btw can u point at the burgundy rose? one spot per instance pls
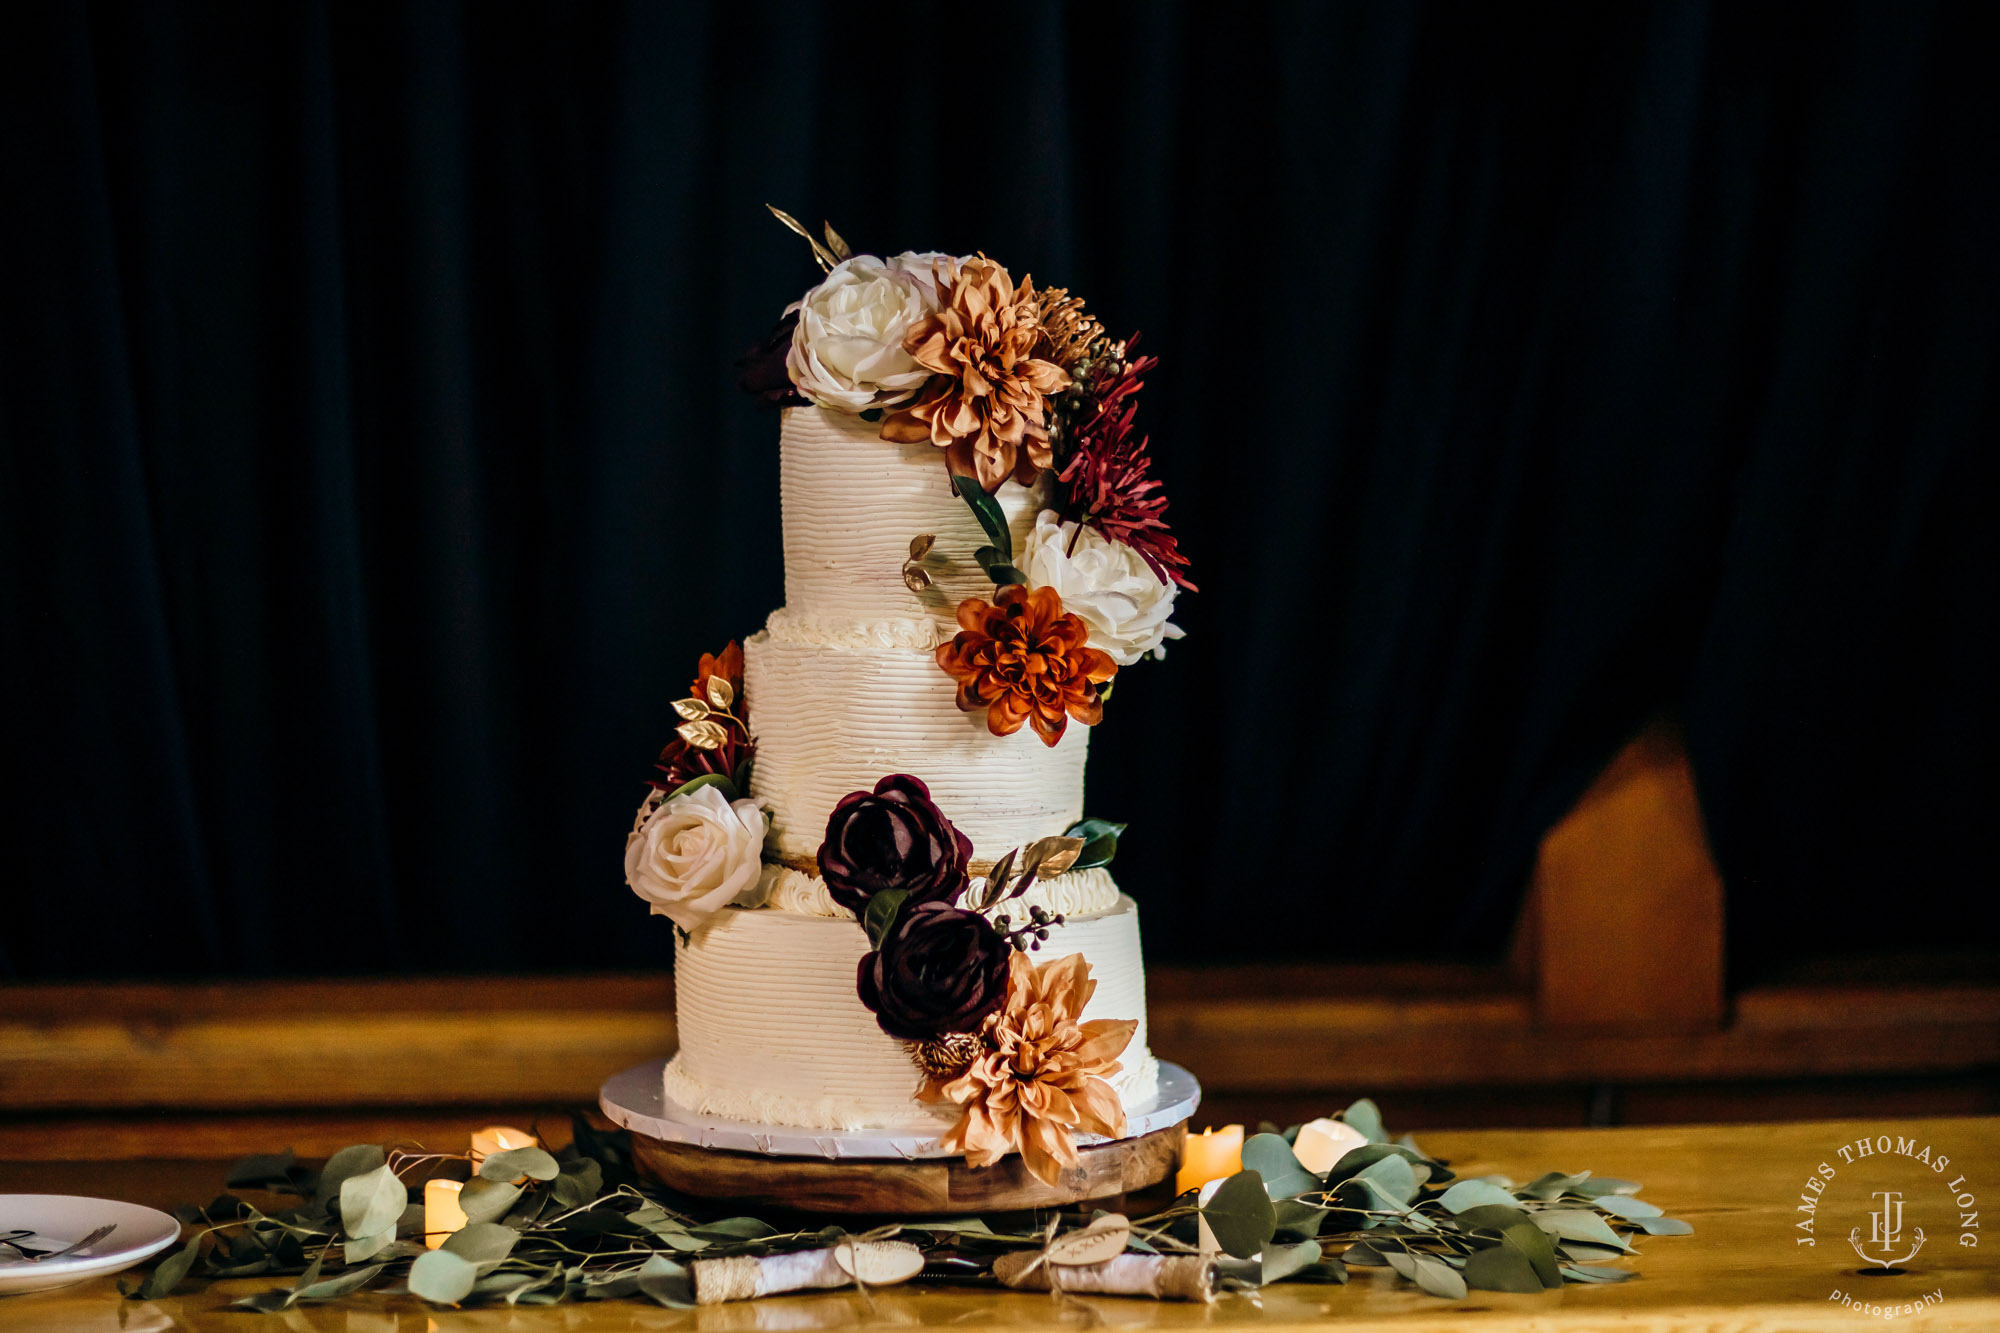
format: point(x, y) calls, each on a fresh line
point(764, 375)
point(892, 838)
point(942, 969)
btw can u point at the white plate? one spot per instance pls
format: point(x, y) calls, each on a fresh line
point(63, 1219)
point(637, 1100)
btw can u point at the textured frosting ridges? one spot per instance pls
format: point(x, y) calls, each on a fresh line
point(853, 501)
point(1079, 893)
point(773, 1032)
point(831, 721)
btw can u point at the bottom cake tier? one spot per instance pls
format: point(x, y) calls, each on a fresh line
point(772, 1031)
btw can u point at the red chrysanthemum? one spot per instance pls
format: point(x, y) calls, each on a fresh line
point(1106, 480)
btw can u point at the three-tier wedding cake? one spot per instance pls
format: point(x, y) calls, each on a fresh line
point(891, 910)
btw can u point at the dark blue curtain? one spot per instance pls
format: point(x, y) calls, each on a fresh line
point(373, 471)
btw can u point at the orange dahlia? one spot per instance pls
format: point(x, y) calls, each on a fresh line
point(1040, 1076)
point(1022, 658)
point(985, 402)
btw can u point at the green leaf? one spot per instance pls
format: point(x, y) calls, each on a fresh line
point(1584, 1252)
point(1596, 1186)
point(721, 780)
point(1100, 841)
point(581, 1181)
point(171, 1270)
point(1578, 1224)
point(991, 517)
point(1536, 1247)
point(734, 1228)
point(487, 1200)
point(1272, 1158)
point(264, 1302)
point(363, 1248)
point(1501, 1268)
point(372, 1203)
point(482, 1242)
point(1327, 1272)
point(1663, 1226)
point(1620, 1205)
point(534, 1163)
point(1363, 1117)
point(333, 1288)
point(1552, 1186)
point(1355, 1160)
point(1281, 1261)
point(1239, 1215)
point(1302, 1220)
point(1394, 1177)
point(1473, 1194)
point(667, 1282)
point(358, 1160)
point(442, 1278)
point(1492, 1216)
point(1433, 1275)
point(1577, 1273)
point(878, 918)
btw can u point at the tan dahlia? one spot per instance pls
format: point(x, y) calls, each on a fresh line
point(985, 402)
point(1039, 1079)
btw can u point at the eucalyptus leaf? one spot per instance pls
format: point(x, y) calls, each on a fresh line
point(1578, 1224)
point(1394, 1177)
point(721, 781)
point(264, 1302)
point(1364, 1254)
point(333, 1288)
point(1592, 1187)
point(1501, 1268)
point(1535, 1245)
point(358, 1160)
point(170, 1271)
point(1473, 1194)
point(1272, 1158)
point(1578, 1273)
point(1239, 1215)
point(1364, 1118)
point(1551, 1186)
point(991, 517)
point(482, 1242)
point(532, 1162)
point(581, 1181)
point(1493, 1216)
point(487, 1200)
point(1584, 1252)
point(1327, 1272)
point(1100, 841)
point(1299, 1218)
point(1621, 1205)
point(1432, 1275)
point(363, 1248)
point(735, 1228)
point(1281, 1261)
point(442, 1278)
point(372, 1203)
point(1663, 1226)
point(878, 918)
point(667, 1282)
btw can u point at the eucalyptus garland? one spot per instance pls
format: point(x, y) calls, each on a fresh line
point(577, 1224)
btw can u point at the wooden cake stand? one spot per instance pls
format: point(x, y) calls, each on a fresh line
point(879, 1173)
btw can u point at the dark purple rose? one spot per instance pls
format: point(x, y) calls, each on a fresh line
point(942, 969)
point(892, 838)
point(764, 375)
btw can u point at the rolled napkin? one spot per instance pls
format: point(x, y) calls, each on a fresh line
point(1163, 1277)
point(877, 1263)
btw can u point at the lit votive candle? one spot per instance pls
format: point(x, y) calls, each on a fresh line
point(1210, 1155)
point(498, 1138)
point(1321, 1143)
point(442, 1214)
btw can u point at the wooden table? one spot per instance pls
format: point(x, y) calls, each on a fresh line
point(1741, 1271)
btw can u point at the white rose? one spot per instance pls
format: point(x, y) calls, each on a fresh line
point(695, 854)
point(1106, 584)
point(847, 352)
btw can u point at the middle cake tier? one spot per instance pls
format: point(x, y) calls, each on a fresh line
point(835, 713)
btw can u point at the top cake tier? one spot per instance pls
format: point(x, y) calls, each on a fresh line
point(853, 501)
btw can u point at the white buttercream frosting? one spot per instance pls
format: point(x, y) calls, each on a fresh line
point(1079, 893)
point(791, 626)
point(773, 1032)
point(852, 502)
point(832, 721)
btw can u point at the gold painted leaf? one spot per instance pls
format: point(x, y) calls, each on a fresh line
point(835, 242)
point(1051, 856)
point(920, 545)
point(916, 580)
point(694, 710)
point(821, 254)
point(721, 693)
point(703, 735)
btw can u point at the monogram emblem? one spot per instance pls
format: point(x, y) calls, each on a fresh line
point(1885, 1232)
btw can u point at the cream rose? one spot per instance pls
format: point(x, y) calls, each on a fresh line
point(695, 853)
point(1106, 584)
point(847, 351)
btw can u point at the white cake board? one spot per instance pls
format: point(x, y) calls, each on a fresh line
point(636, 1099)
